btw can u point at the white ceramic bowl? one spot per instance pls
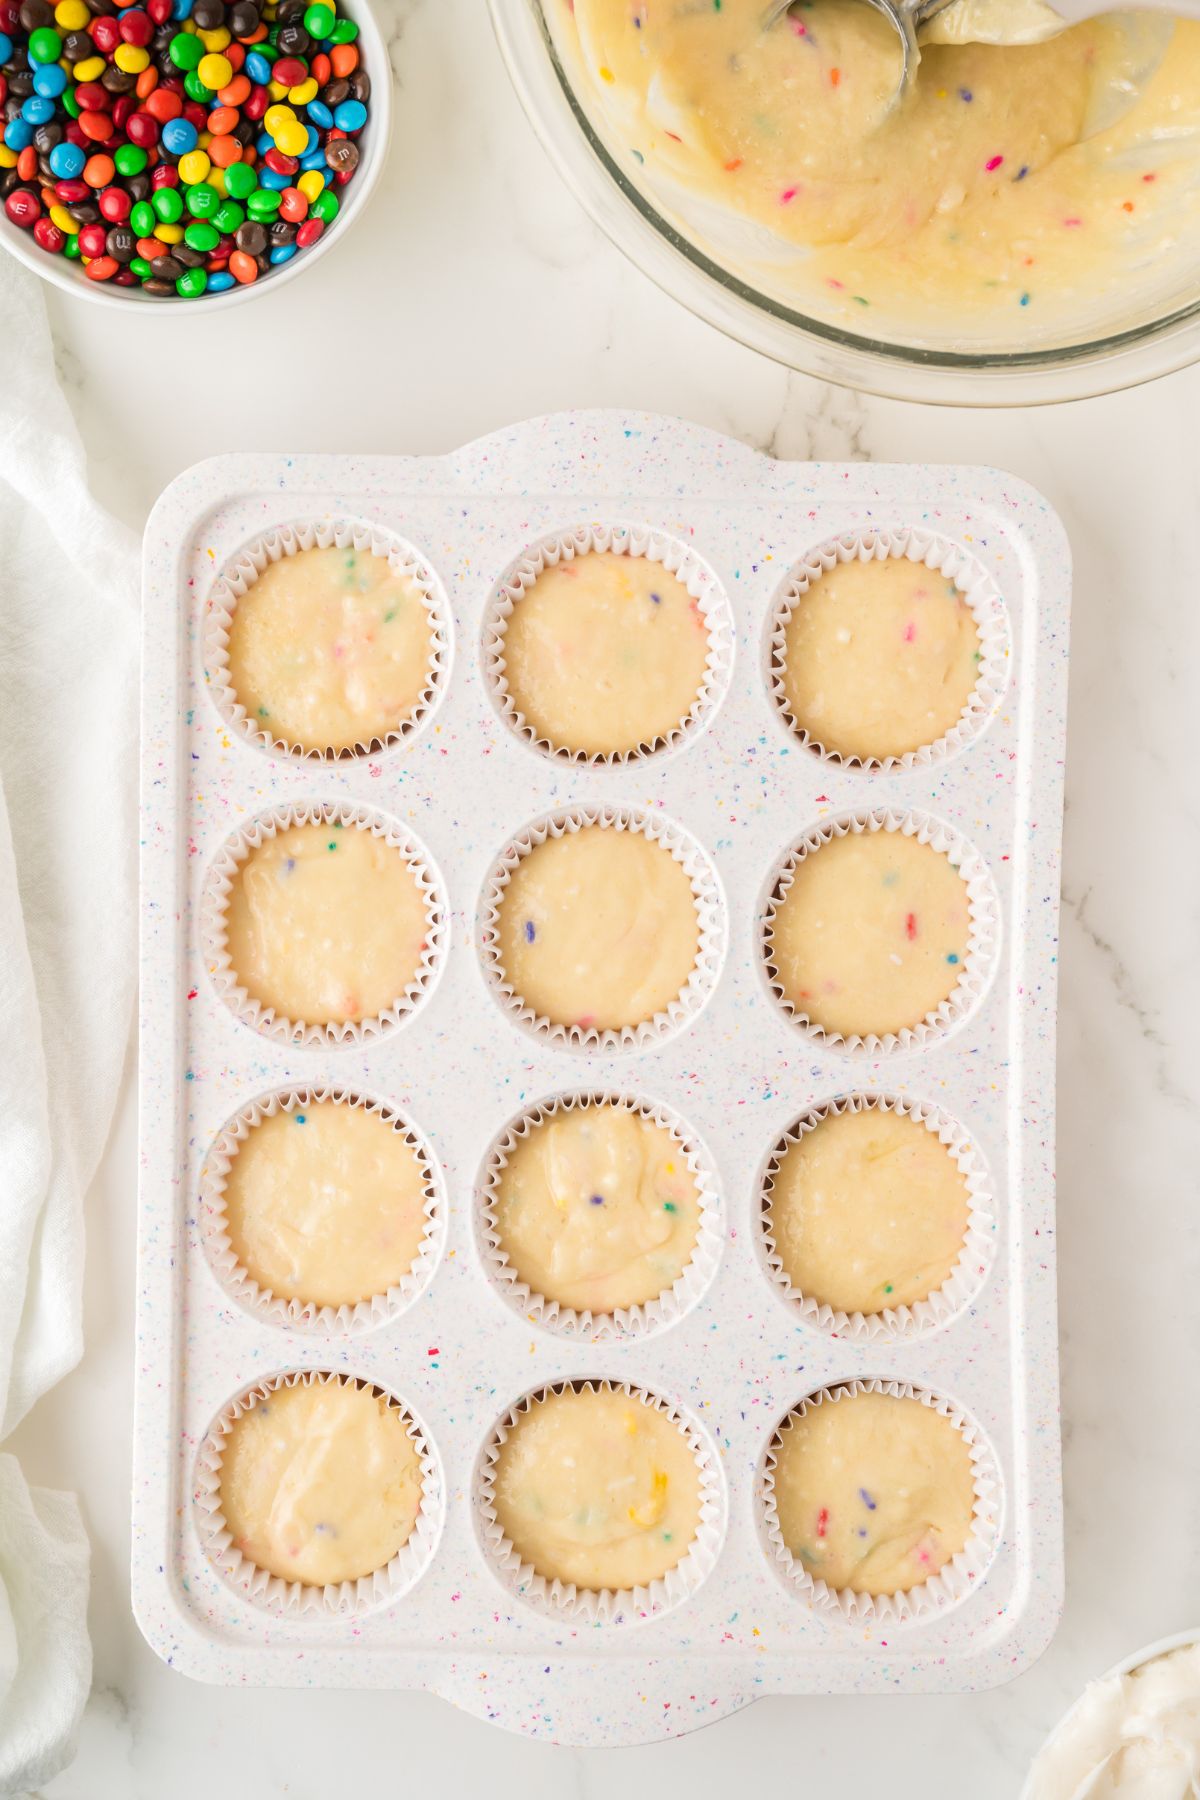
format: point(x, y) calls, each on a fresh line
point(372, 142)
point(1180, 1641)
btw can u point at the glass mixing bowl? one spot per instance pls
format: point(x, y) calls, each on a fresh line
point(1165, 335)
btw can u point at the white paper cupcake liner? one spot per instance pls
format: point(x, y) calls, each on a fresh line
point(213, 937)
point(983, 941)
point(960, 1577)
point(308, 534)
point(622, 540)
point(271, 1592)
point(961, 1287)
point(563, 1601)
point(626, 1322)
point(710, 905)
point(976, 586)
point(309, 1315)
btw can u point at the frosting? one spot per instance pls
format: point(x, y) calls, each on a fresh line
point(881, 657)
point(871, 936)
point(596, 1208)
point(320, 1482)
point(598, 928)
point(329, 649)
point(1025, 194)
point(868, 1210)
point(1131, 1737)
point(595, 1488)
point(325, 1203)
point(605, 652)
point(874, 1492)
point(325, 924)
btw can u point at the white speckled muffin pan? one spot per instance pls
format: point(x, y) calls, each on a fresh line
point(734, 1353)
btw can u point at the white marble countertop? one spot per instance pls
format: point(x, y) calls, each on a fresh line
point(485, 295)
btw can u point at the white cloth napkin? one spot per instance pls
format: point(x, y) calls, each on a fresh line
point(68, 742)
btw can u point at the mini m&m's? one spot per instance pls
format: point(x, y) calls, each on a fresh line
point(183, 146)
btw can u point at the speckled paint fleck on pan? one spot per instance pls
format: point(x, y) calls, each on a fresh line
point(740, 1073)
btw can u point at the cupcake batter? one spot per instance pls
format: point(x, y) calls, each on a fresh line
point(596, 1208)
point(325, 924)
point(881, 657)
point(598, 928)
point(330, 649)
point(605, 652)
point(596, 1489)
point(325, 1204)
point(874, 1493)
point(989, 211)
point(320, 1482)
point(872, 935)
point(868, 1210)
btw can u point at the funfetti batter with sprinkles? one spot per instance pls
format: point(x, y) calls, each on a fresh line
point(605, 653)
point(871, 936)
point(874, 1492)
point(325, 924)
point(595, 1487)
point(988, 211)
point(597, 1208)
point(320, 1482)
point(598, 929)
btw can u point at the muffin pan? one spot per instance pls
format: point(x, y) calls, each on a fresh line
point(457, 1354)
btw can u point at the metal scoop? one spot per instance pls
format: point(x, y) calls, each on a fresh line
point(1149, 34)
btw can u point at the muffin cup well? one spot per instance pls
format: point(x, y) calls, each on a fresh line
point(972, 581)
point(623, 1322)
point(983, 940)
point(975, 1258)
point(213, 937)
point(710, 907)
point(308, 1315)
point(953, 1583)
point(563, 1601)
point(271, 1592)
point(239, 577)
point(622, 540)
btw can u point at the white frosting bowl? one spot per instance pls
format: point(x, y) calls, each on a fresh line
point(1036, 1788)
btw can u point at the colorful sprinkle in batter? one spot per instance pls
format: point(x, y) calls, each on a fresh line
point(879, 657)
point(321, 1485)
point(325, 939)
point(616, 931)
point(330, 1215)
point(599, 1489)
point(868, 1209)
point(331, 649)
point(605, 652)
point(1006, 174)
point(841, 944)
point(875, 1493)
point(577, 1161)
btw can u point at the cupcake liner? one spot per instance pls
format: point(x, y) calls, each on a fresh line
point(271, 1592)
point(563, 1601)
point(960, 1577)
point(969, 1273)
point(308, 534)
point(977, 588)
point(307, 1315)
point(983, 941)
point(623, 540)
point(213, 938)
point(626, 1322)
point(710, 903)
